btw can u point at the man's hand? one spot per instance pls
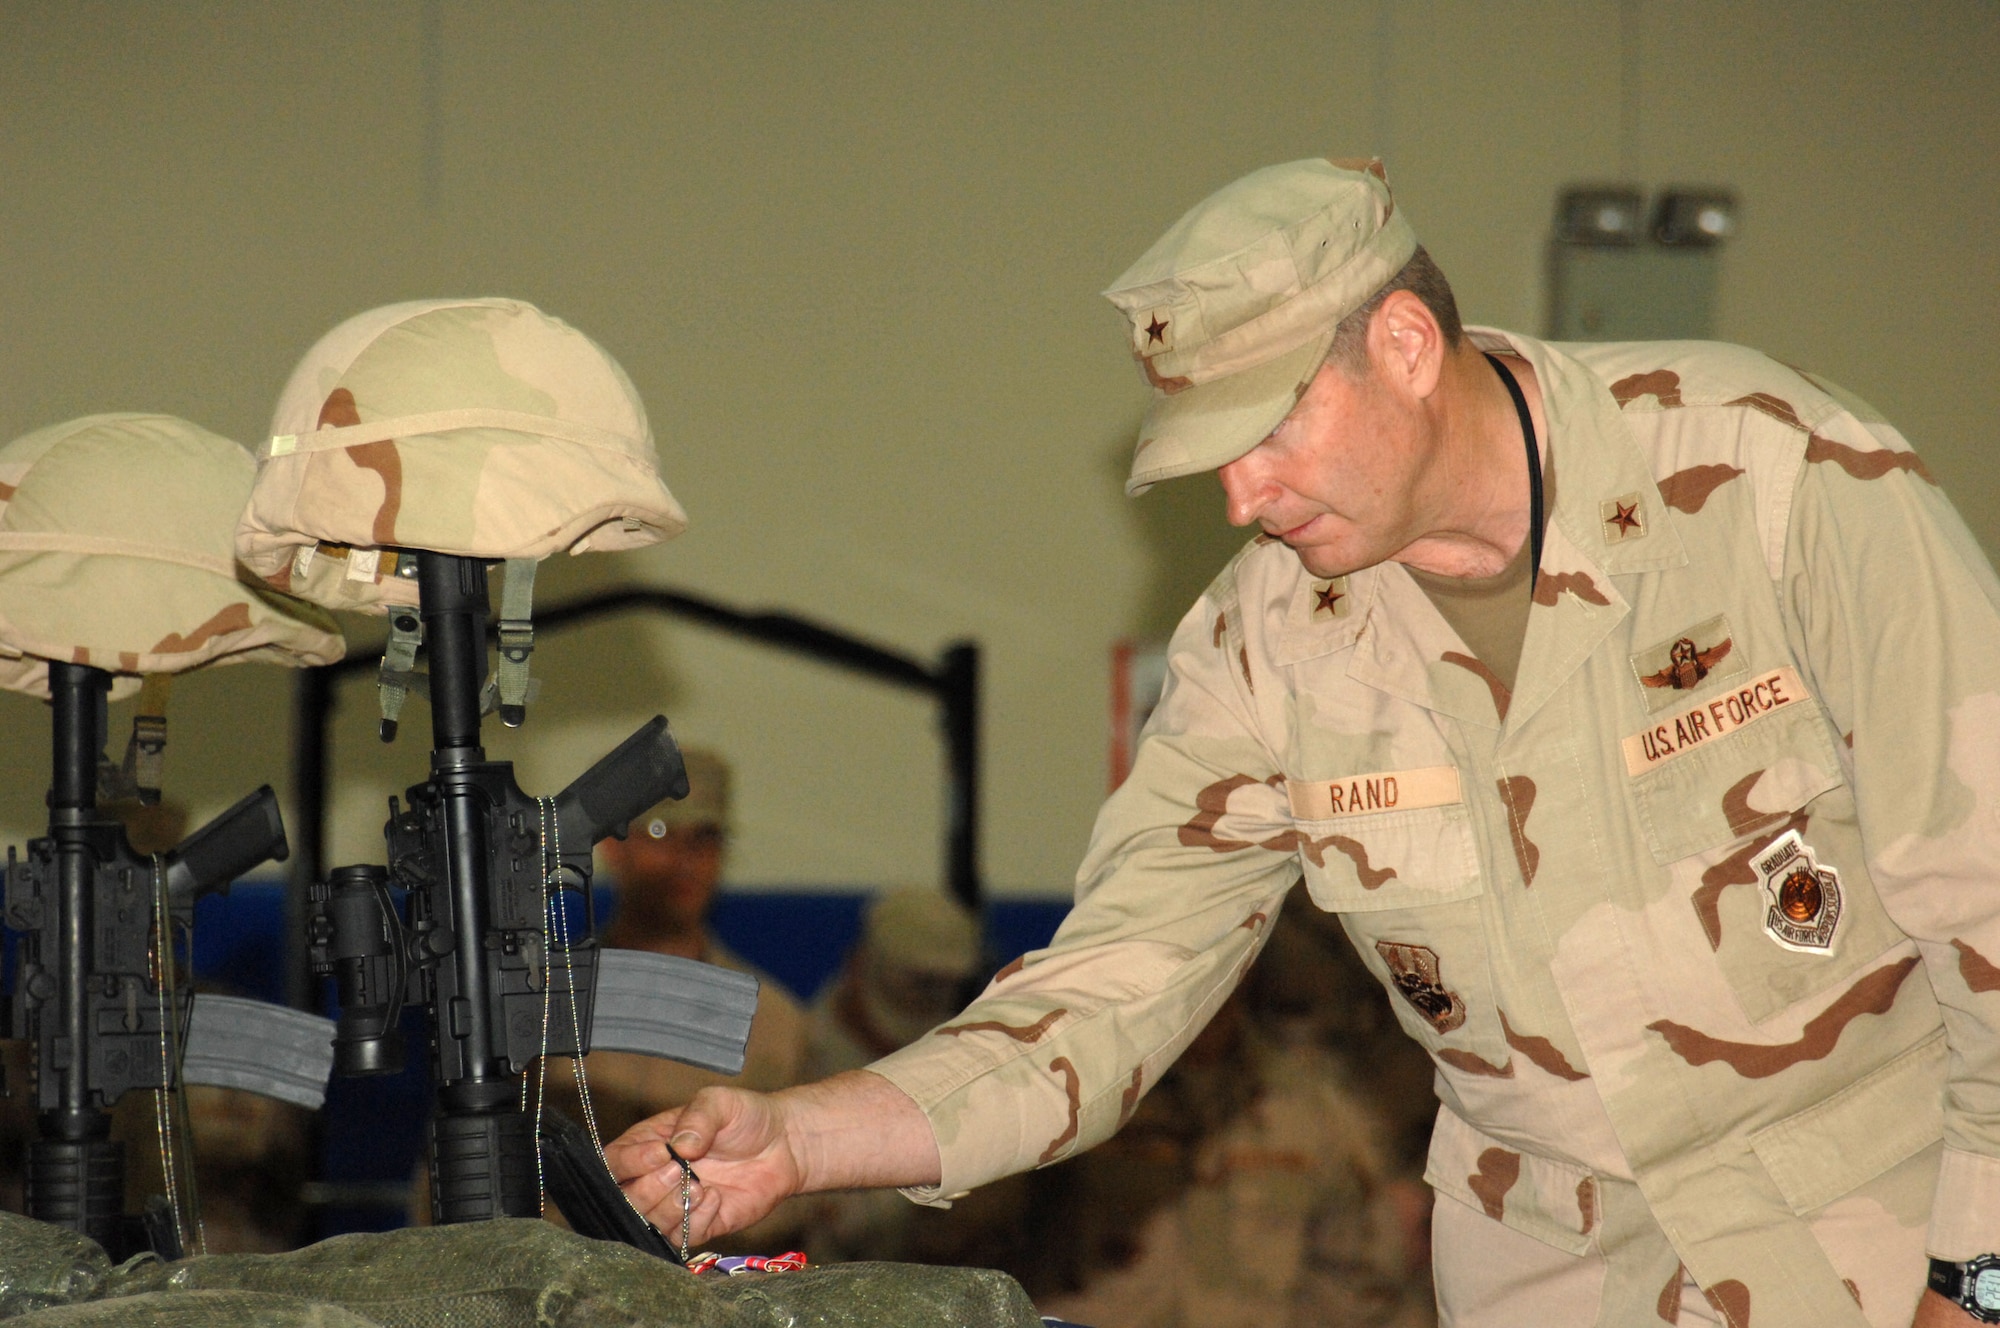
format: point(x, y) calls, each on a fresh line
point(747, 1162)
point(753, 1150)
point(1934, 1311)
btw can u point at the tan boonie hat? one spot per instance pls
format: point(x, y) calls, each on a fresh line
point(117, 551)
point(481, 428)
point(1233, 309)
point(707, 802)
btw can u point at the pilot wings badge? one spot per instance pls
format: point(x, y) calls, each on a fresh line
point(1687, 664)
point(1668, 670)
point(1801, 898)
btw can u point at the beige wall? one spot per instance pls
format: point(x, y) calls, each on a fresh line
point(849, 253)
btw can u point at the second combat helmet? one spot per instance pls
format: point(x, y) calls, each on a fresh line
point(117, 551)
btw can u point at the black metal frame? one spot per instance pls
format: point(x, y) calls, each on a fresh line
point(954, 682)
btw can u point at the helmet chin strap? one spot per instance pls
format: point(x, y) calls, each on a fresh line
point(141, 774)
point(398, 673)
point(517, 639)
point(511, 687)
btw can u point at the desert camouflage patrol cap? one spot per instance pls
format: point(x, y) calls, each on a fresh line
point(1233, 309)
point(922, 929)
point(482, 428)
point(710, 784)
point(117, 551)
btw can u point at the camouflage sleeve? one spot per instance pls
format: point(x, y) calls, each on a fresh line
point(1896, 612)
point(1054, 1056)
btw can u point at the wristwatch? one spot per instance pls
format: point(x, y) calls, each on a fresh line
point(1973, 1286)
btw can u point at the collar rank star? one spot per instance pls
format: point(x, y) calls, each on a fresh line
point(1624, 518)
point(1801, 898)
point(1329, 599)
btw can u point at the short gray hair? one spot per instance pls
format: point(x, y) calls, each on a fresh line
point(1421, 277)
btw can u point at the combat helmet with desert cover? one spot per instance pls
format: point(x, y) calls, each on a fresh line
point(480, 428)
point(117, 551)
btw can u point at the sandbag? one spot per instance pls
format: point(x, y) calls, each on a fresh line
point(506, 1274)
point(196, 1309)
point(854, 1295)
point(43, 1265)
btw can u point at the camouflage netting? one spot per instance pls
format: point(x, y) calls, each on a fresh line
point(509, 1274)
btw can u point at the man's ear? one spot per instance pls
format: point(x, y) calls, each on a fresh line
point(1407, 344)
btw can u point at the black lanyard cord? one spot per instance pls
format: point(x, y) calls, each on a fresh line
point(1534, 471)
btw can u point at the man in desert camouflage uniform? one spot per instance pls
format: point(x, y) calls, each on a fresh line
point(1673, 842)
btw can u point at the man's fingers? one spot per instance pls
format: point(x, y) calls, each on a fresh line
point(731, 1139)
point(657, 1195)
point(690, 1130)
point(707, 1215)
point(653, 1188)
point(695, 1130)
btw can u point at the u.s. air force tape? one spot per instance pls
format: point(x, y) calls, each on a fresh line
point(1688, 728)
point(1381, 791)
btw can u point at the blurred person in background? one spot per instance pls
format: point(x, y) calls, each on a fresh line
point(665, 873)
point(908, 973)
point(918, 952)
point(1273, 1176)
point(252, 1157)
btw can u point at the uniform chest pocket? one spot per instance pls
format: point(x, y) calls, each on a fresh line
point(1408, 887)
point(1379, 851)
point(1758, 833)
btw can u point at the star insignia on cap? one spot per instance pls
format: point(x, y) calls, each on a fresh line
point(1622, 518)
point(1156, 331)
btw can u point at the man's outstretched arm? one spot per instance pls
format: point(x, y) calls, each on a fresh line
point(753, 1150)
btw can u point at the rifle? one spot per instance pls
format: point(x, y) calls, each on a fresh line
point(482, 940)
point(96, 989)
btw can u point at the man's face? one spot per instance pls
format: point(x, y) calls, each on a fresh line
point(1342, 479)
point(666, 880)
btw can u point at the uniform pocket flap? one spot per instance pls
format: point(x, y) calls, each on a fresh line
point(1722, 790)
point(1831, 1147)
point(1555, 1202)
point(1395, 859)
